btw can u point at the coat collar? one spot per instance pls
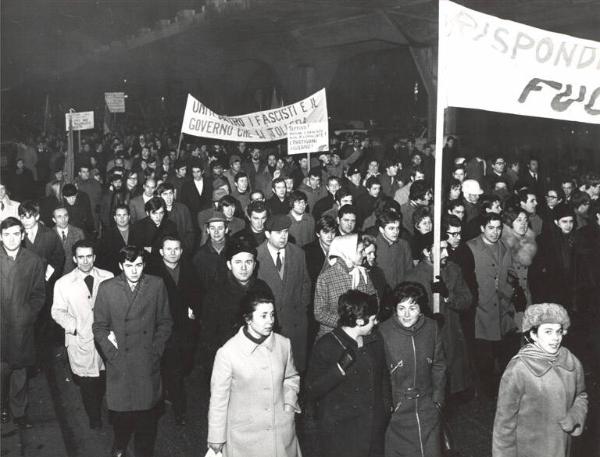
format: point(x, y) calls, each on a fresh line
point(248, 347)
point(540, 366)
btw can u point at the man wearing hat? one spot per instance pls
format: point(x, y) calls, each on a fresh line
point(471, 191)
point(283, 268)
point(209, 259)
point(353, 183)
point(221, 299)
point(235, 166)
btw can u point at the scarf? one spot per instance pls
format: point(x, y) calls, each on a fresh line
point(532, 351)
point(344, 248)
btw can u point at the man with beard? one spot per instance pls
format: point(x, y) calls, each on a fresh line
point(221, 300)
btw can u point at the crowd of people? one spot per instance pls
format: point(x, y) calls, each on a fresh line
point(306, 286)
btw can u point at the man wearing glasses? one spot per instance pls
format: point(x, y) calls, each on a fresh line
point(497, 173)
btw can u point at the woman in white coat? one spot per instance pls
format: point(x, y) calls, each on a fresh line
point(254, 389)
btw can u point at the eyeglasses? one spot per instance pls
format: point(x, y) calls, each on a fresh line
point(553, 197)
point(454, 233)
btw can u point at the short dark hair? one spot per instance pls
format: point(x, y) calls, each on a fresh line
point(276, 181)
point(450, 220)
point(418, 190)
point(453, 204)
point(169, 238)
point(83, 244)
point(421, 213)
point(239, 175)
point(154, 204)
point(11, 222)
point(334, 178)
point(411, 290)
point(341, 193)
point(164, 187)
point(297, 195)
point(485, 219)
point(60, 206)
point(371, 182)
point(577, 199)
point(130, 253)
point(347, 209)
point(524, 193)
point(354, 305)
point(121, 206)
point(69, 190)
point(388, 217)
point(315, 172)
point(226, 200)
point(251, 300)
point(196, 163)
point(256, 207)
point(29, 208)
point(326, 223)
point(487, 201)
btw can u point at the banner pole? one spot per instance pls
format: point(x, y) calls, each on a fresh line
point(179, 144)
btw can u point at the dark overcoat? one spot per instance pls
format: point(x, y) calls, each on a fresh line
point(353, 405)
point(415, 359)
point(23, 293)
point(108, 249)
point(48, 246)
point(292, 296)
point(141, 322)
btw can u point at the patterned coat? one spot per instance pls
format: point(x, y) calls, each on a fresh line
point(141, 322)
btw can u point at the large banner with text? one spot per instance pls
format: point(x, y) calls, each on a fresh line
point(499, 65)
point(262, 126)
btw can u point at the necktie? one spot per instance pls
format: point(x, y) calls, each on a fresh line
point(89, 282)
point(64, 236)
point(279, 264)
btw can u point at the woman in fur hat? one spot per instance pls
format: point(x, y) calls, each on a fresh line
point(542, 400)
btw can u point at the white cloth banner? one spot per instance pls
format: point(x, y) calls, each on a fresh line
point(115, 101)
point(262, 126)
point(498, 65)
point(307, 138)
point(80, 121)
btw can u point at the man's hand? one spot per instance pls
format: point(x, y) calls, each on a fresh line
point(439, 287)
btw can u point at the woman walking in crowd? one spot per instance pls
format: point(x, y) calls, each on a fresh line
point(542, 401)
point(254, 388)
point(345, 272)
point(348, 377)
point(415, 360)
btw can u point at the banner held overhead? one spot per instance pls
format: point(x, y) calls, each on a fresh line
point(498, 65)
point(115, 101)
point(262, 126)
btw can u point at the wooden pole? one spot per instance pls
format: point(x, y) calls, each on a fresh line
point(179, 144)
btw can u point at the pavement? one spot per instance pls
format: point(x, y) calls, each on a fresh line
point(61, 426)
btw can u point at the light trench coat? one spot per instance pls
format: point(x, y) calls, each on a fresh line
point(73, 309)
point(250, 386)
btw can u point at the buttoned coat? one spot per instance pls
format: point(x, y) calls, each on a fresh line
point(141, 322)
point(353, 406)
point(137, 210)
point(73, 310)
point(48, 246)
point(394, 259)
point(494, 312)
point(23, 293)
point(74, 234)
point(108, 249)
point(292, 295)
point(249, 388)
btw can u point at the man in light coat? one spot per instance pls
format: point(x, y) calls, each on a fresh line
point(288, 279)
point(131, 325)
point(73, 309)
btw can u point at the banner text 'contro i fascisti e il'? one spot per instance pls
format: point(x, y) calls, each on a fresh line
point(499, 65)
point(262, 126)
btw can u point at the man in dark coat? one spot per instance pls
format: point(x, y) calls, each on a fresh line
point(80, 209)
point(254, 233)
point(327, 202)
point(210, 259)
point(196, 193)
point(22, 290)
point(147, 233)
point(278, 203)
point(221, 301)
point(179, 214)
point(184, 302)
point(114, 239)
point(393, 253)
point(282, 266)
point(131, 325)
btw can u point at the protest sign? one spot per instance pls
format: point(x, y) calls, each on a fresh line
point(499, 65)
point(262, 126)
point(307, 138)
point(115, 101)
point(80, 121)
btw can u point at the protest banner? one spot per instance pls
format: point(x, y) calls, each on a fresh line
point(498, 65)
point(115, 101)
point(80, 121)
point(262, 126)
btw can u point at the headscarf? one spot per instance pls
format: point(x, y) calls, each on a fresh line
point(344, 248)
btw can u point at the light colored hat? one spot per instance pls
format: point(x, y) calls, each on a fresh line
point(471, 186)
point(545, 313)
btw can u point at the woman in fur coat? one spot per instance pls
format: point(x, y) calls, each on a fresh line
point(520, 240)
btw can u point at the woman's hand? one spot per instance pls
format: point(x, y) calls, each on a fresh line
point(216, 447)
